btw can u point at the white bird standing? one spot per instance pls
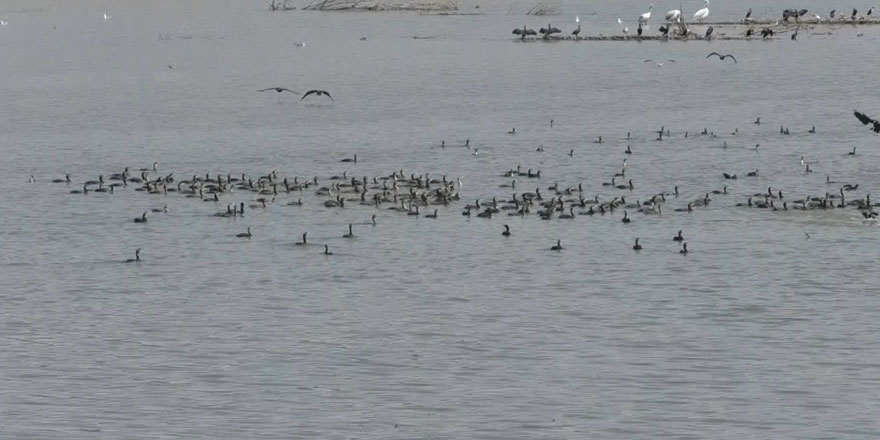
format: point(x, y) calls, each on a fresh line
point(702, 13)
point(107, 17)
point(673, 15)
point(643, 19)
point(577, 19)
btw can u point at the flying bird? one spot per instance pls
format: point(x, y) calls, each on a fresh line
point(865, 120)
point(278, 89)
point(722, 56)
point(316, 93)
point(661, 63)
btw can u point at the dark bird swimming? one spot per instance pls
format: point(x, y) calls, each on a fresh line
point(137, 257)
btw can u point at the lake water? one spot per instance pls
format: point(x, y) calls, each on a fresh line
point(418, 327)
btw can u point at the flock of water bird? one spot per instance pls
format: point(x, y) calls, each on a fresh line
point(410, 193)
point(676, 17)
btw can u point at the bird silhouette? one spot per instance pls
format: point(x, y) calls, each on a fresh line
point(278, 89)
point(524, 32)
point(316, 93)
point(865, 120)
point(722, 56)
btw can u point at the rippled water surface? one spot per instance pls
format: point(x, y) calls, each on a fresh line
point(418, 327)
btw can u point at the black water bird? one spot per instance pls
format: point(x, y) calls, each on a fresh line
point(137, 257)
point(316, 93)
point(278, 89)
point(637, 246)
point(865, 120)
point(350, 233)
point(709, 35)
point(664, 30)
point(766, 33)
point(749, 32)
point(524, 32)
point(576, 31)
point(749, 14)
point(549, 30)
point(506, 232)
point(722, 57)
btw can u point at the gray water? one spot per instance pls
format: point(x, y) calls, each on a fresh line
point(422, 328)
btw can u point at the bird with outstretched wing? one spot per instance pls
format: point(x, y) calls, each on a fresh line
point(865, 120)
point(278, 89)
point(316, 93)
point(722, 56)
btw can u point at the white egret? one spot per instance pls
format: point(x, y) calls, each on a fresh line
point(702, 13)
point(673, 15)
point(107, 17)
point(646, 16)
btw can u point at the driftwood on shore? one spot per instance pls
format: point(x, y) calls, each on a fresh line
point(546, 7)
point(284, 5)
point(383, 5)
